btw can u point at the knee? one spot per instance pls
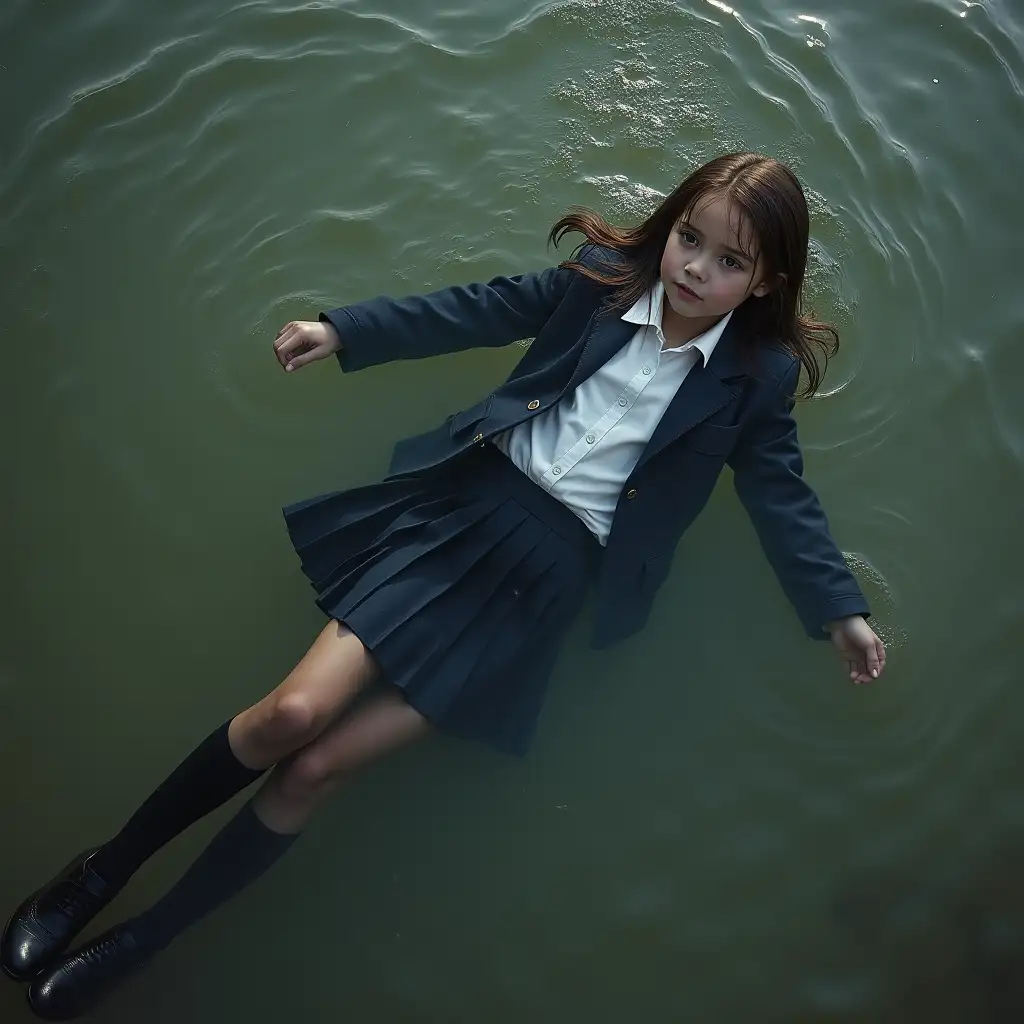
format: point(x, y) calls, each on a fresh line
point(306, 777)
point(292, 721)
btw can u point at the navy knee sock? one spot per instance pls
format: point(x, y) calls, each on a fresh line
point(207, 778)
point(242, 851)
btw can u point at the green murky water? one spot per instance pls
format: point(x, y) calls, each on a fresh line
point(714, 826)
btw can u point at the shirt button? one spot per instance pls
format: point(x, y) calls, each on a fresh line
point(534, 404)
point(623, 401)
point(631, 493)
point(647, 369)
point(479, 437)
point(557, 470)
point(590, 438)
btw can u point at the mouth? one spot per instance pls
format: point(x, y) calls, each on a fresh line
point(687, 294)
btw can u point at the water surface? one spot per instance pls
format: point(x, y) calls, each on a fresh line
point(714, 825)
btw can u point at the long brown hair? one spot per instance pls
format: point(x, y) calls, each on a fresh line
point(775, 212)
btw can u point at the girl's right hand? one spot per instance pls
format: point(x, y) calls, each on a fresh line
point(305, 341)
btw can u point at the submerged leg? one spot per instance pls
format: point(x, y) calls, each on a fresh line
point(237, 856)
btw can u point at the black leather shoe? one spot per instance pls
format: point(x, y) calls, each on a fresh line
point(80, 981)
point(44, 925)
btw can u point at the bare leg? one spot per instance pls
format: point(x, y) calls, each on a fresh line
point(264, 829)
point(330, 675)
point(297, 786)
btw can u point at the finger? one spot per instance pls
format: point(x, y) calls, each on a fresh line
point(859, 671)
point(871, 660)
point(290, 331)
point(287, 327)
point(294, 345)
point(283, 340)
point(880, 654)
point(302, 358)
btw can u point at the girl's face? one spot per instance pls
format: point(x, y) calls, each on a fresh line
point(707, 268)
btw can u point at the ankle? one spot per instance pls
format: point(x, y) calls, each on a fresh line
point(111, 870)
point(147, 938)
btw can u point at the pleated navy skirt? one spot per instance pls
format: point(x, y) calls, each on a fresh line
point(462, 581)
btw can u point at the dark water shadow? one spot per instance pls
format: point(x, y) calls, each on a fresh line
point(949, 943)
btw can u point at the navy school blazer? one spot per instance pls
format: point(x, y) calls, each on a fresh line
point(729, 411)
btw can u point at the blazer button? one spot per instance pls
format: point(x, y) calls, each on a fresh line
point(534, 404)
point(631, 493)
point(479, 437)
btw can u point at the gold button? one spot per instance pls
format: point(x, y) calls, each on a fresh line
point(631, 493)
point(479, 437)
point(534, 404)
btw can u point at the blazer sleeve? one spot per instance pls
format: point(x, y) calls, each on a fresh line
point(499, 312)
point(768, 475)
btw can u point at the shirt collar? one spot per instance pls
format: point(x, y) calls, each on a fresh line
point(647, 310)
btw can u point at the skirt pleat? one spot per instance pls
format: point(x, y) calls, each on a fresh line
point(461, 581)
point(441, 556)
point(388, 553)
point(469, 632)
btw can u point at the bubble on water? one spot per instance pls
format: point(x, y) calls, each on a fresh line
point(829, 246)
point(817, 204)
point(624, 199)
point(651, 92)
point(823, 287)
point(635, 123)
point(879, 596)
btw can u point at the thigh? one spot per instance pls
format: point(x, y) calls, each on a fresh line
point(335, 669)
point(382, 723)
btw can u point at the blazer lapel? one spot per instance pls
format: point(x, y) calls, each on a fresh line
point(702, 394)
point(607, 335)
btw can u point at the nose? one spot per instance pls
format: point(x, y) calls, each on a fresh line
point(695, 268)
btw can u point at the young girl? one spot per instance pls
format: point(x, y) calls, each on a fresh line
point(660, 353)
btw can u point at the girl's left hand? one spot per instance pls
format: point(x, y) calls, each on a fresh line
point(859, 647)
